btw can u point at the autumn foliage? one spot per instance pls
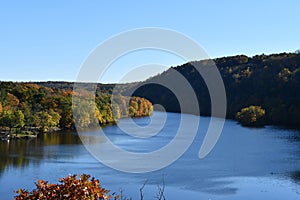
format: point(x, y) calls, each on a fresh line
point(251, 116)
point(139, 107)
point(30, 107)
point(68, 188)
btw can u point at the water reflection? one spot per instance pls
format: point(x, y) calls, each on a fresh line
point(22, 152)
point(296, 176)
point(262, 162)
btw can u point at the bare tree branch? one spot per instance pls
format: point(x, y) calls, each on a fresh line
point(141, 190)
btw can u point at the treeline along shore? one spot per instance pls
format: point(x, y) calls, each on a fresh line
point(27, 109)
point(261, 90)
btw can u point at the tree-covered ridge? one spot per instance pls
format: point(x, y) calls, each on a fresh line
point(63, 85)
point(29, 106)
point(269, 81)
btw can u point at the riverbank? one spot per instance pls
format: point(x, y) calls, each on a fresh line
point(27, 133)
point(19, 136)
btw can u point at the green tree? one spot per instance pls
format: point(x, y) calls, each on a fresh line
point(7, 119)
point(47, 105)
point(19, 119)
point(45, 120)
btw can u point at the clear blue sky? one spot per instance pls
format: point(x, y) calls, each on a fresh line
point(49, 40)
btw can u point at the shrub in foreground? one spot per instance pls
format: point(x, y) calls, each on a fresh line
point(69, 188)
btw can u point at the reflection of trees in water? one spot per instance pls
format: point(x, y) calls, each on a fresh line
point(296, 176)
point(13, 153)
point(294, 137)
point(22, 152)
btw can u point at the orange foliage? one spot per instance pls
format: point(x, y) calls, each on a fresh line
point(12, 100)
point(32, 85)
point(69, 188)
point(140, 107)
point(67, 92)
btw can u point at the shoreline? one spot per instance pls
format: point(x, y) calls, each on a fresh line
point(28, 133)
point(33, 132)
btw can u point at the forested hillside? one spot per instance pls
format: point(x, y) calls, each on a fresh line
point(35, 107)
point(260, 90)
point(270, 83)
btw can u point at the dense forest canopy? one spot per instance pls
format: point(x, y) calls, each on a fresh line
point(36, 106)
point(267, 82)
point(271, 82)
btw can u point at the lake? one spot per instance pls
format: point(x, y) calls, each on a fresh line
point(246, 163)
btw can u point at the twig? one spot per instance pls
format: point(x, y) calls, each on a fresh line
point(161, 191)
point(141, 190)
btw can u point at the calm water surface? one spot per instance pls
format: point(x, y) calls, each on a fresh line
point(246, 163)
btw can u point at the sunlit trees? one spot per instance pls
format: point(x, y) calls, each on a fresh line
point(107, 114)
point(139, 107)
point(18, 119)
point(102, 111)
point(7, 119)
point(39, 108)
point(11, 101)
point(46, 120)
point(64, 108)
point(12, 119)
point(251, 116)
